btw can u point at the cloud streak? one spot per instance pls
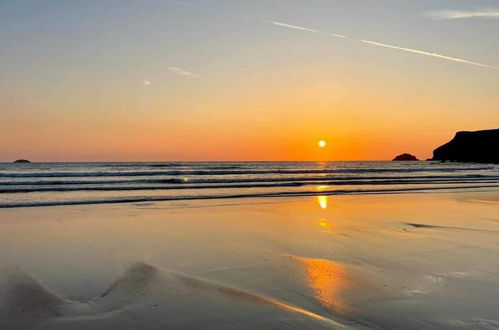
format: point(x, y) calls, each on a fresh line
point(301, 28)
point(185, 4)
point(425, 53)
point(182, 72)
point(456, 14)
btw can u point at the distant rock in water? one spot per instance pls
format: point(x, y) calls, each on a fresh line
point(477, 146)
point(22, 161)
point(405, 157)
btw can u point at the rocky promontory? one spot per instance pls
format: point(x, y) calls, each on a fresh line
point(405, 157)
point(476, 146)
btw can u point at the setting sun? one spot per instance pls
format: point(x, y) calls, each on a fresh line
point(322, 144)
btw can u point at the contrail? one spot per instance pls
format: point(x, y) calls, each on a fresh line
point(338, 35)
point(295, 27)
point(379, 44)
point(301, 28)
point(455, 14)
point(420, 52)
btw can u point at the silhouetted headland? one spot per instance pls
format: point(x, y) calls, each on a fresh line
point(477, 146)
point(21, 161)
point(405, 157)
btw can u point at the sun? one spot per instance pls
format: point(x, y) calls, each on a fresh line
point(322, 144)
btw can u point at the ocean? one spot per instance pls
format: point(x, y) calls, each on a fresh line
point(52, 184)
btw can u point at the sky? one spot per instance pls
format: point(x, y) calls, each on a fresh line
point(164, 80)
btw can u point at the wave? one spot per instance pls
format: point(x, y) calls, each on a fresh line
point(238, 186)
point(88, 182)
point(236, 172)
point(172, 165)
point(138, 199)
point(477, 177)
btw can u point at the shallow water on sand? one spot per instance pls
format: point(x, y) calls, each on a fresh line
point(368, 261)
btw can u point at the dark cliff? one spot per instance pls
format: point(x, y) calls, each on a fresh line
point(477, 146)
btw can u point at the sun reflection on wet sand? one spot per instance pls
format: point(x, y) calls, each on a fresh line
point(323, 223)
point(328, 228)
point(323, 201)
point(328, 280)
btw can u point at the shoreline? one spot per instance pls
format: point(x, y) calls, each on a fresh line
point(246, 196)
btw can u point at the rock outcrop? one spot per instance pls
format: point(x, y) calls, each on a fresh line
point(22, 161)
point(405, 157)
point(477, 146)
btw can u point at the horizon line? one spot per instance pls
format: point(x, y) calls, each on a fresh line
point(205, 161)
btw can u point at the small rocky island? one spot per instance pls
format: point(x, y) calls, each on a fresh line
point(405, 157)
point(476, 146)
point(21, 161)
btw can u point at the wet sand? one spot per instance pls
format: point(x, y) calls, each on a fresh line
point(425, 260)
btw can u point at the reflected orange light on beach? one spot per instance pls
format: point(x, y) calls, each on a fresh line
point(323, 201)
point(323, 223)
point(327, 279)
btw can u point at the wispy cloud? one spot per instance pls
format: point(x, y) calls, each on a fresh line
point(182, 72)
point(181, 3)
point(146, 82)
point(301, 28)
point(425, 53)
point(456, 14)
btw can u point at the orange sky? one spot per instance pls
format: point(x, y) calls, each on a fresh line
point(160, 81)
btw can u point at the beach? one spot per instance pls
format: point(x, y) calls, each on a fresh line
point(391, 261)
point(249, 165)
